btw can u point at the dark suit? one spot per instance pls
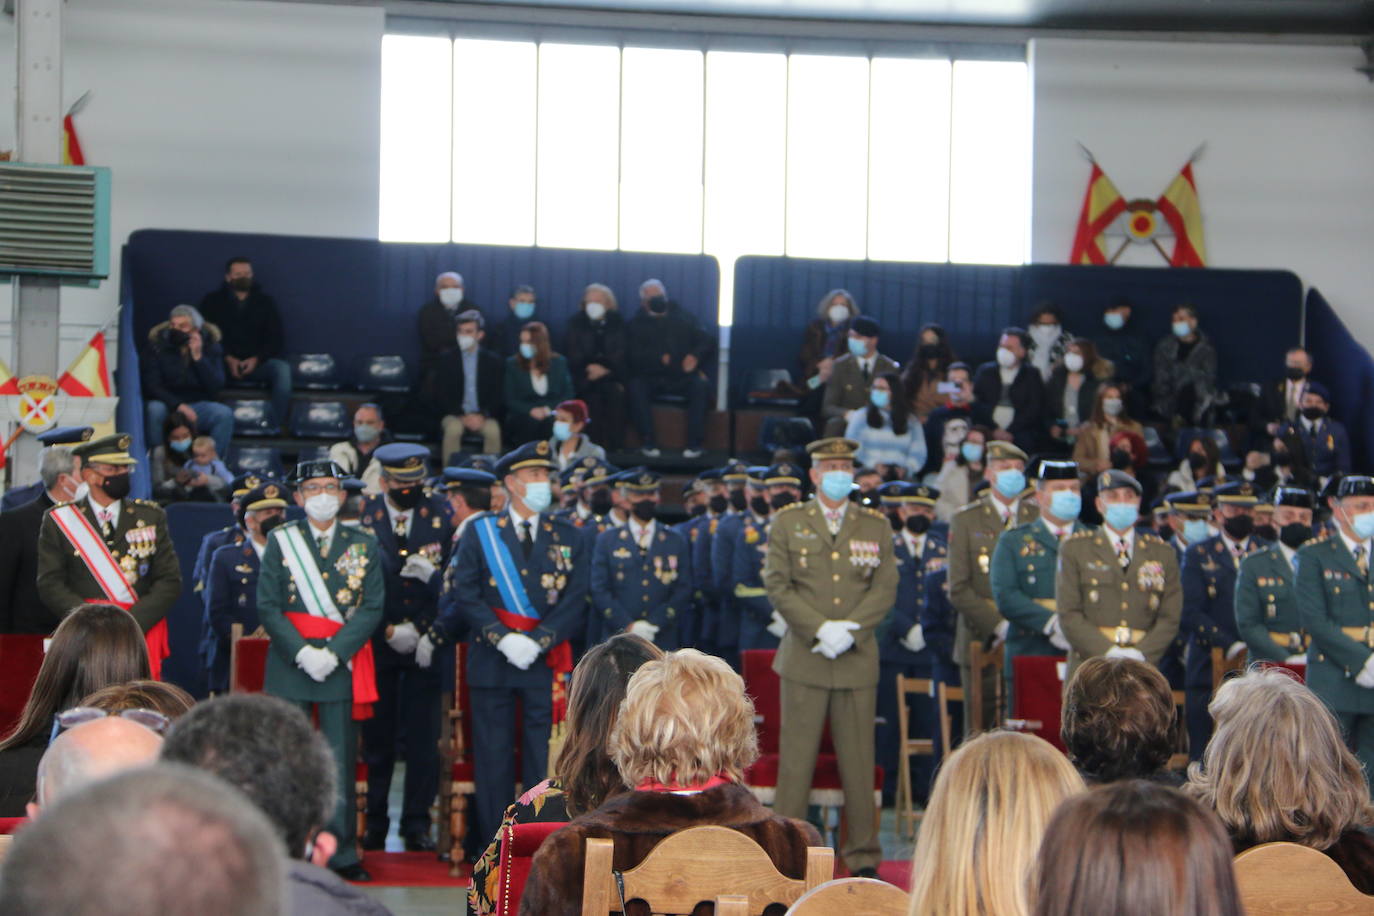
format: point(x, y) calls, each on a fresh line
point(629, 583)
point(19, 496)
point(1327, 446)
point(449, 380)
point(848, 389)
point(1027, 396)
point(1273, 406)
point(438, 329)
point(231, 596)
point(604, 343)
point(21, 610)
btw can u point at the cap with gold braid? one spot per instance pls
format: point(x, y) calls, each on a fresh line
point(106, 450)
point(529, 455)
point(835, 448)
point(1240, 493)
point(243, 484)
point(268, 495)
point(783, 474)
point(640, 480)
point(997, 450)
point(66, 435)
point(403, 462)
point(904, 492)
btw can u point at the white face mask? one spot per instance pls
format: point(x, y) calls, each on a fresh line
point(596, 311)
point(322, 507)
point(1005, 358)
point(1045, 333)
point(838, 314)
point(466, 341)
point(450, 296)
point(1073, 362)
point(83, 490)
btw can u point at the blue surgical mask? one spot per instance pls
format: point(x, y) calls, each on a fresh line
point(1010, 483)
point(1363, 525)
point(858, 346)
point(180, 445)
point(1122, 516)
point(837, 484)
point(1066, 504)
point(527, 350)
point(562, 430)
point(365, 432)
point(538, 495)
point(524, 310)
point(1114, 321)
point(1196, 530)
point(1182, 329)
point(880, 398)
point(972, 451)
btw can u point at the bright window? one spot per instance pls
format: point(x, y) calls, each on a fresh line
point(417, 137)
point(989, 182)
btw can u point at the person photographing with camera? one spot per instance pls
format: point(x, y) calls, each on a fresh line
point(183, 371)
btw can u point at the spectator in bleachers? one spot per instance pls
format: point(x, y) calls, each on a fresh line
point(467, 392)
point(1118, 721)
point(182, 370)
point(252, 340)
point(570, 443)
point(1071, 393)
point(205, 460)
point(957, 404)
point(175, 475)
point(438, 320)
point(961, 471)
point(853, 375)
point(1185, 373)
point(1013, 390)
point(890, 440)
point(503, 336)
point(596, 354)
point(354, 454)
point(926, 370)
point(652, 290)
point(826, 339)
point(1288, 458)
point(1132, 848)
point(993, 797)
point(537, 381)
point(1324, 440)
point(1280, 401)
point(1049, 339)
point(1127, 350)
point(1109, 416)
point(1202, 460)
point(667, 353)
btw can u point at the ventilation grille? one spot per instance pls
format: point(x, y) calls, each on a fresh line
point(54, 220)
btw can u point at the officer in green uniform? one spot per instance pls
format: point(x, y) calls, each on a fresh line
point(1267, 615)
point(973, 534)
point(830, 573)
point(1118, 589)
point(1024, 564)
point(1336, 604)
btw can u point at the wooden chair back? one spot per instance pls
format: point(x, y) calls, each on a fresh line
point(247, 660)
point(6, 841)
point(981, 660)
point(908, 747)
point(852, 897)
point(732, 905)
point(456, 776)
point(700, 863)
point(947, 694)
point(1222, 666)
point(1285, 879)
point(1178, 760)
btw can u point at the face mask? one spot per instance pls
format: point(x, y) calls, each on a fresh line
point(1238, 527)
point(738, 501)
point(407, 498)
point(322, 507)
point(176, 337)
point(450, 297)
point(929, 351)
point(365, 432)
point(782, 500)
point(1313, 413)
point(696, 511)
point(180, 445)
point(466, 342)
point(1165, 530)
point(1122, 516)
point(644, 510)
point(1295, 535)
point(1045, 333)
point(917, 524)
point(601, 502)
point(839, 314)
point(1005, 358)
point(1065, 504)
point(880, 398)
point(1122, 461)
point(1267, 532)
point(1010, 483)
point(266, 525)
point(1182, 329)
point(1112, 407)
point(82, 491)
point(527, 350)
point(595, 311)
point(718, 503)
point(1073, 362)
point(1295, 373)
point(538, 495)
point(836, 485)
point(658, 305)
point(116, 487)
point(859, 347)
point(562, 431)
point(524, 310)
point(972, 452)
point(1195, 530)
point(1197, 462)
point(1363, 525)
point(760, 505)
point(241, 284)
point(1114, 321)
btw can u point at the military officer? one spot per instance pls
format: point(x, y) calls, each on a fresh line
point(231, 588)
point(830, 574)
point(413, 535)
point(717, 561)
point(700, 536)
point(1336, 606)
point(1118, 589)
point(110, 548)
point(1189, 519)
point(1024, 563)
point(1267, 615)
point(760, 626)
point(973, 534)
point(518, 586)
point(1209, 605)
point(239, 487)
point(641, 573)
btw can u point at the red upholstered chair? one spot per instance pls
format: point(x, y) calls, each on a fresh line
point(1038, 696)
point(21, 655)
point(454, 741)
point(520, 843)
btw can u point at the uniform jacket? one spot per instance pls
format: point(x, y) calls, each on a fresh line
point(1024, 564)
point(429, 534)
point(973, 534)
point(353, 574)
point(231, 596)
point(21, 609)
point(64, 581)
point(911, 596)
point(719, 536)
point(1209, 600)
point(200, 573)
point(1332, 595)
point(700, 533)
point(937, 618)
point(812, 577)
point(1267, 603)
point(847, 388)
point(1327, 445)
point(19, 496)
point(630, 584)
point(749, 549)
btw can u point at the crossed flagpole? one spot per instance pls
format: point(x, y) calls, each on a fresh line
point(1103, 204)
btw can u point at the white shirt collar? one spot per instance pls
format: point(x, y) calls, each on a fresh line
point(515, 520)
point(1233, 545)
point(393, 513)
point(639, 532)
point(583, 511)
point(1288, 552)
point(915, 543)
point(112, 510)
point(1128, 537)
point(1351, 545)
point(1051, 528)
point(258, 549)
point(844, 505)
point(329, 532)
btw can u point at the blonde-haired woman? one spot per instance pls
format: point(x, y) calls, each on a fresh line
point(1278, 770)
point(682, 740)
point(992, 800)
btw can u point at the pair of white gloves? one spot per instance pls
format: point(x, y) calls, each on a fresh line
point(644, 630)
point(1055, 634)
point(419, 567)
point(1366, 676)
point(519, 650)
point(317, 662)
point(835, 637)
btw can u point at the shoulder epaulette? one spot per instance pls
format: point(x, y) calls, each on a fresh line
point(1080, 535)
point(145, 502)
point(1149, 537)
point(70, 502)
point(874, 512)
point(969, 505)
point(793, 507)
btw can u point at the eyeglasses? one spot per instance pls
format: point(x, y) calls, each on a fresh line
point(150, 719)
point(312, 489)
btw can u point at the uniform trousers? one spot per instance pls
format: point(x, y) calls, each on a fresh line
point(341, 734)
point(408, 702)
point(1358, 729)
point(493, 739)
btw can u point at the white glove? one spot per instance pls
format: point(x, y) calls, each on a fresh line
point(644, 629)
point(424, 651)
point(837, 636)
point(1296, 659)
point(404, 638)
point(519, 650)
point(777, 626)
point(999, 635)
point(1234, 649)
point(1119, 652)
point(316, 662)
point(418, 567)
point(825, 650)
point(1055, 633)
point(1366, 676)
point(914, 640)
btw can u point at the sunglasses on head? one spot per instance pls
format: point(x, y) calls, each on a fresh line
point(150, 719)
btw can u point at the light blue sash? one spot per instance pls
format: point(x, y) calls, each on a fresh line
point(503, 568)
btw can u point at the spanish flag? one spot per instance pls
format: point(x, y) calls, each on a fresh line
point(71, 146)
point(9, 385)
point(1102, 204)
point(1181, 208)
point(89, 375)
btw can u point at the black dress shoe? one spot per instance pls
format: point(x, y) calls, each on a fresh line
point(374, 842)
point(354, 873)
point(866, 873)
point(419, 842)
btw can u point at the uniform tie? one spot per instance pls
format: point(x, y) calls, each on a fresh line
point(1123, 555)
point(526, 538)
point(402, 525)
point(324, 545)
point(832, 521)
point(1362, 560)
point(1294, 563)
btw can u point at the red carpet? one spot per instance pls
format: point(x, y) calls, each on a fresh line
point(411, 869)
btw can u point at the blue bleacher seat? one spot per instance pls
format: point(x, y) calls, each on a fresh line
point(1154, 445)
point(317, 371)
point(313, 453)
point(259, 459)
point(320, 420)
point(253, 417)
point(384, 373)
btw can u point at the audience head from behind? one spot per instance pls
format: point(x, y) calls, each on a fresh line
point(523, 302)
point(992, 799)
point(159, 839)
point(584, 768)
point(1135, 848)
point(597, 300)
point(163, 698)
point(448, 289)
point(91, 749)
point(1118, 720)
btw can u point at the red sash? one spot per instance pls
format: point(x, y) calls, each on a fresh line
point(364, 665)
point(159, 646)
point(559, 659)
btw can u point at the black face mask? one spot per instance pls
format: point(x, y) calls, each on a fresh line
point(1122, 460)
point(718, 503)
point(175, 337)
point(1268, 532)
point(1238, 527)
point(407, 498)
point(781, 500)
point(917, 524)
point(929, 351)
point(116, 487)
point(738, 501)
point(644, 509)
point(697, 510)
point(759, 504)
point(241, 284)
point(1295, 535)
point(1281, 458)
point(1313, 413)
point(658, 305)
point(601, 502)
point(1197, 462)
point(1165, 531)
point(267, 524)
point(895, 521)
point(1294, 374)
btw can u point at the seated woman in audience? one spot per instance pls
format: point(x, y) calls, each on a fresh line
point(537, 381)
point(1071, 393)
point(825, 340)
point(570, 443)
point(175, 479)
point(1278, 770)
point(96, 645)
point(597, 359)
point(925, 371)
point(987, 813)
point(959, 476)
point(1108, 417)
point(889, 437)
point(1135, 849)
point(1203, 459)
point(584, 774)
point(159, 696)
point(684, 736)
point(1118, 721)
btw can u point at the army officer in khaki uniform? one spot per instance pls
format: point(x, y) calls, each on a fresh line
point(1118, 589)
point(830, 574)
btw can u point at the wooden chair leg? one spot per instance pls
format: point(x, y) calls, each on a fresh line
point(457, 830)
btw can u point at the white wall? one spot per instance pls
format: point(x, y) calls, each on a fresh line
point(1287, 180)
point(220, 115)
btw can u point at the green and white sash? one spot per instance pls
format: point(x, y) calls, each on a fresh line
point(299, 555)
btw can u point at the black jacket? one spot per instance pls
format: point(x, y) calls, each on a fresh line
point(21, 610)
point(1054, 396)
point(439, 330)
point(602, 342)
point(248, 328)
point(172, 377)
point(446, 389)
point(1129, 353)
point(1027, 397)
point(675, 333)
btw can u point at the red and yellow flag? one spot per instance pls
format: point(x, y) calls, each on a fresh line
point(1102, 204)
point(71, 146)
point(1181, 208)
point(9, 382)
point(89, 375)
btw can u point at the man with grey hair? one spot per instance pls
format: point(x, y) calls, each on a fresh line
point(667, 352)
point(183, 372)
point(162, 839)
point(466, 395)
point(438, 320)
point(90, 752)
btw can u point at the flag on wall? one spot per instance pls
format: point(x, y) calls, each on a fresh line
point(1102, 204)
point(71, 144)
point(9, 384)
point(89, 375)
point(1182, 210)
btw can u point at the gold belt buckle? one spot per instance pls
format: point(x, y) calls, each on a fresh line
point(1123, 637)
